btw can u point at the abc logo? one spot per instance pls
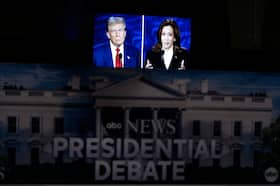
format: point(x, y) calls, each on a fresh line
point(271, 174)
point(113, 125)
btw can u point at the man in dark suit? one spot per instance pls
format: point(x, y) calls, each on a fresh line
point(116, 53)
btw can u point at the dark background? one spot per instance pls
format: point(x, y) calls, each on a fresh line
point(226, 34)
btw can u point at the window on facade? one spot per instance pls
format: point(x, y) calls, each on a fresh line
point(196, 128)
point(136, 115)
point(59, 125)
point(258, 128)
point(237, 128)
point(257, 156)
point(35, 125)
point(12, 124)
point(218, 148)
point(195, 162)
point(112, 120)
point(35, 155)
point(59, 158)
point(236, 158)
point(11, 156)
point(216, 162)
point(217, 128)
point(84, 127)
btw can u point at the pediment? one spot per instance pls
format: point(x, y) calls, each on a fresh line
point(138, 87)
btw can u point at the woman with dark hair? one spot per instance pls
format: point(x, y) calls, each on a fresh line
point(167, 53)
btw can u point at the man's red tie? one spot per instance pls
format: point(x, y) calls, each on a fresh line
point(118, 59)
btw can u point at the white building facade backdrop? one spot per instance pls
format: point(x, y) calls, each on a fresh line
point(30, 119)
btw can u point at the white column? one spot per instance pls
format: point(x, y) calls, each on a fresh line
point(182, 131)
point(126, 120)
point(182, 128)
point(155, 136)
point(155, 116)
point(98, 126)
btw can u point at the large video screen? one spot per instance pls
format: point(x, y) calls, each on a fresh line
point(145, 41)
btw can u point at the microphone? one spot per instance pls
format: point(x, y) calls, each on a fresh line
point(120, 56)
point(161, 55)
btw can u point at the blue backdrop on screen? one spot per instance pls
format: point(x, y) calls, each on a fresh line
point(152, 24)
point(135, 25)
